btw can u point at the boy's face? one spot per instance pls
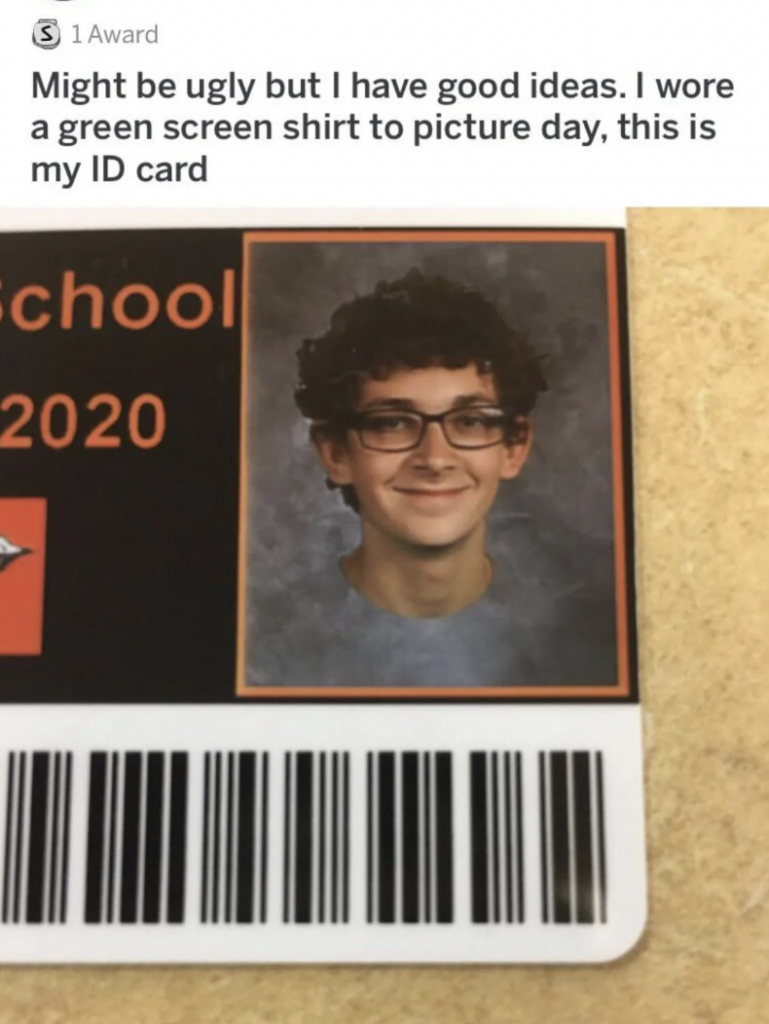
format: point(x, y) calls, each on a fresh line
point(435, 495)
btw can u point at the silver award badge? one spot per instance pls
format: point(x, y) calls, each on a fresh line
point(46, 34)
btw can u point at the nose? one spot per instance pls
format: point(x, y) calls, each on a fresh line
point(434, 451)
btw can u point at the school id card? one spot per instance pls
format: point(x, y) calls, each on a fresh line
point(317, 621)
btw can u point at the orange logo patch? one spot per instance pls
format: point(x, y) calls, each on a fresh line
point(22, 574)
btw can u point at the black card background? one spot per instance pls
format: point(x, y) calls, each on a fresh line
point(141, 574)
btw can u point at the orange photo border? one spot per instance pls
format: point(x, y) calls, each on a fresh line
point(606, 238)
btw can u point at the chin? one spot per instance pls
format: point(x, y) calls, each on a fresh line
point(435, 541)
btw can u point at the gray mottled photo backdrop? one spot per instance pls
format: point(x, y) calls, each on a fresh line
point(554, 292)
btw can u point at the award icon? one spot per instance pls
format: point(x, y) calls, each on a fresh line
point(46, 34)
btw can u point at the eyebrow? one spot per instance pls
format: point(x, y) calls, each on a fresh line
point(459, 402)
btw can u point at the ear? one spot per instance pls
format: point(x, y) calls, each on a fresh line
point(333, 455)
point(515, 454)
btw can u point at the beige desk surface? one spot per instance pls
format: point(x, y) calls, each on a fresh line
point(699, 289)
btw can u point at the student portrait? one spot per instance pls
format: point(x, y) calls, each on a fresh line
point(430, 439)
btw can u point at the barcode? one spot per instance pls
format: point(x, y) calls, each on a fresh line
point(36, 843)
point(234, 850)
point(497, 838)
point(136, 844)
point(410, 838)
point(573, 837)
point(306, 837)
point(316, 872)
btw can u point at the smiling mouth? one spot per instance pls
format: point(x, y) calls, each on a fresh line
point(421, 492)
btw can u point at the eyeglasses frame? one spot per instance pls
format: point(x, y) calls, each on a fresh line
point(352, 421)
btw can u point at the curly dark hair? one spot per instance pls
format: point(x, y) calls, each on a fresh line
point(417, 321)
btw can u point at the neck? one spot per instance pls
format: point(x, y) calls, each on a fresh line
point(419, 582)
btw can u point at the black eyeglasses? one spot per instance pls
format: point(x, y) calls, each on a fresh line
point(402, 430)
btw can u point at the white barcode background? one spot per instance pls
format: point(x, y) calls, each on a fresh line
point(321, 833)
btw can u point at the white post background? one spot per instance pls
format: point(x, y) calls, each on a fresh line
point(403, 39)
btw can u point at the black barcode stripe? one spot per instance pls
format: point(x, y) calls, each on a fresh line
point(322, 841)
point(222, 830)
point(54, 861)
point(8, 837)
point(370, 839)
point(246, 852)
point(55, 845)
point(206, 838)
point(153, 838)
point(339, 824)
point(113, 836)
point(48, 839)
point(479, 845)
point(37, 836)
point(303, 839)
point(112, 851)
point(583, 838)
point(209, 829)
point(559, 823)
point(264, 836)
point(516, 814)
point(150, 818)
point(217, 837)
point(20, 836)
point(544, 840)
point(341, 867)
point(410, 838)
point(287, 805)
point(494, 767)
point(233, 832)
point(64, 884)
point(177, 839)
point(336, 844)
point(444, 810)
point(427, 840)
point(601, 839)
point(519, 862)
point(508, 814)
point(346, 840)
point(386, 838)
point(234, 840)
point(213, 894)
point(229, 836)
point(129, 880)
point(95, 841)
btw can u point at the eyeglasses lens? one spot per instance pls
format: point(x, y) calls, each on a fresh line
point(474, 428)
point(390, 432)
